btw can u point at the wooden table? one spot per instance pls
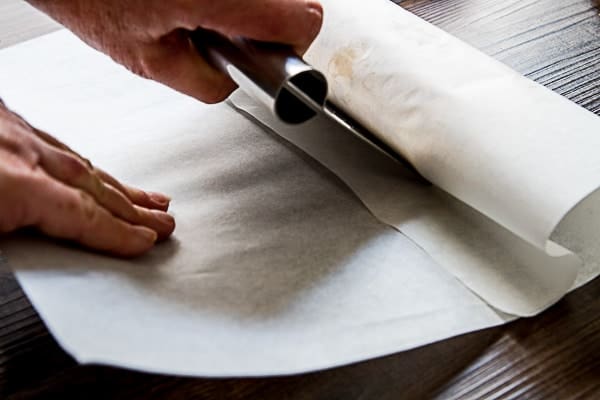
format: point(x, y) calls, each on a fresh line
point(553, 356)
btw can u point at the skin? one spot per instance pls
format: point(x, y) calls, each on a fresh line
point(46, 185)
point(149, 36)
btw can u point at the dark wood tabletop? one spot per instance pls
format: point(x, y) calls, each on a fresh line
point(555, 355)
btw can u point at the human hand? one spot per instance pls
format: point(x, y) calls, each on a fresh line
point(150, 37)
point(46, 185)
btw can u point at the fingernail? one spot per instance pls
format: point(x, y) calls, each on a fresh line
point(146, 235)
point(159, 198)
point(164, 218)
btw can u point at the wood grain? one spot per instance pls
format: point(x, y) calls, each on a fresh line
point(553, 356)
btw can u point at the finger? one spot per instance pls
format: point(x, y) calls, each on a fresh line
point(67, 213)
point(150, 200)
point(293, 22)
point(70, 170)
point(40, 134)
point(175, 62)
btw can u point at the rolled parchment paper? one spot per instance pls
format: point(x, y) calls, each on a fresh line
point(506, 146)
point(511, 157)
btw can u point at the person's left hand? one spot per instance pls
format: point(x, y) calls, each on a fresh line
point(46, 185)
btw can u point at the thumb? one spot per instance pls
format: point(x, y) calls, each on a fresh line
point(292, 22)
point(175, 62)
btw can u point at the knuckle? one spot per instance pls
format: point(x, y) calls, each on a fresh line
point(84, 214)
point(71, 205)
point(94, 185)
point(73, 168)
point(88, 163)
point(87, 207)
point(79, 206)
point(16, 140)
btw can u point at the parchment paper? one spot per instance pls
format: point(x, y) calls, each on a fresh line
point(275, 266)
point(512, 157)
point(506, 271)
point(508, 147)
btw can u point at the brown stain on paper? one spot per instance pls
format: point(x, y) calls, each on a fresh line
point(342, 63)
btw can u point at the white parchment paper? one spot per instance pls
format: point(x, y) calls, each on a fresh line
point(512, 158)
point(505, 270)
point(275, 266)
point(506, 146)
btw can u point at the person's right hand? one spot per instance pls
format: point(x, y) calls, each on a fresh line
point(150, 37)
point(46, 185)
